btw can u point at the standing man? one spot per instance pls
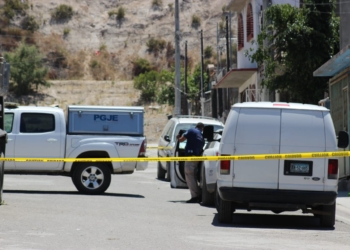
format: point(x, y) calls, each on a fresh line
point(194, 147)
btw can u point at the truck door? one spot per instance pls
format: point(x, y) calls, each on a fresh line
point(302, 131)
point(38, 137)
point(258, 132)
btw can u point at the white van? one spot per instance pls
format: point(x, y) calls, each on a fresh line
point(278, 185)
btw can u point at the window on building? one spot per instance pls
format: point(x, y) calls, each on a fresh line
point(250, 23)
point(240, 32)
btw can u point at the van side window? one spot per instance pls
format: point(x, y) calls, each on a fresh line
point(37, 123)
point(9, 122)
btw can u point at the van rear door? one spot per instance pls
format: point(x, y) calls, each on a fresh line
point(302, 131)
point(258, 132)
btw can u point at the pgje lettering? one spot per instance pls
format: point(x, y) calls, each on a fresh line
point(109, 118)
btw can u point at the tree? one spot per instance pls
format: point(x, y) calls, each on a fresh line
point(166, 91)
point(301, 40)
point(193, 87)
point(147, 83)
point(27, 68)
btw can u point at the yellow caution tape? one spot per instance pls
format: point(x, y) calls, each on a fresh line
point(190, 158)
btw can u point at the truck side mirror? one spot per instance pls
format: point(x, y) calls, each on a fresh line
point(208, 132)
point(343, 139)
point(167, 138)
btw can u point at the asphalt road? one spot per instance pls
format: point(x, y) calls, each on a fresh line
point(139, 211)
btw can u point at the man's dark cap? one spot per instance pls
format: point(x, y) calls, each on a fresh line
point(200, 125)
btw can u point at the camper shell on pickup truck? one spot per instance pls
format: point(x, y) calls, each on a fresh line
point(90, 132)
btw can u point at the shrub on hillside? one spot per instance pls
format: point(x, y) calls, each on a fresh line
point(141, 66)
point(120, 13)
point(62, 12)
point(29, 23)
point(14, 7)
point(156, 4)
point(155, 45)
point(208, 52)
point(196, 21)
point(102, 66)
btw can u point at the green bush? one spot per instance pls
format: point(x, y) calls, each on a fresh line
point(208, 52)
point(196, 21)
point(29, 23)
point(155, 45)
point(157, 3)
point(141, 66)
point(120, 13)
point(66, 31)
point(94, 64)
point(112, 12)
point(13, 8)
point(62, 12)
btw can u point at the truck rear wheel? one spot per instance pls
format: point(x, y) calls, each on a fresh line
point(225, 210)
point(92, 177)
point(328, 220)
point(160, 171)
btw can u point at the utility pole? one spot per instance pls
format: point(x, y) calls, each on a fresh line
point(185, 67)
point(177, 108)
point(202, 76)
point(230, 36)
point(228, 64)
point(187, 109)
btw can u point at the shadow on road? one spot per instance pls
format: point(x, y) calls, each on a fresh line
point(71, 193)
point(273, 222)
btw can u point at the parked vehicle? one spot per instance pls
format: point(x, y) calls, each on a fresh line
point(174, 171)
point(90, 132)
point(208, 171)
point(279, 184)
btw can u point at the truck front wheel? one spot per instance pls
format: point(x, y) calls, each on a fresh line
point(92, 177)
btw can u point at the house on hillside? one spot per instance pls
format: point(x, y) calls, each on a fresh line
point(246, 76)
point(338, 69)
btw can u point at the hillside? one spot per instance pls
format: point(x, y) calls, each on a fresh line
point(72, 47)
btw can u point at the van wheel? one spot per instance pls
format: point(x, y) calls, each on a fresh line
point(92, 178)
point(329, 219)
point(225, 210)
point(207, 198)
point(167, 171)
point(160, 171)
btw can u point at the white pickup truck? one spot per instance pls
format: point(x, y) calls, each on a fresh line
point(89, 132)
